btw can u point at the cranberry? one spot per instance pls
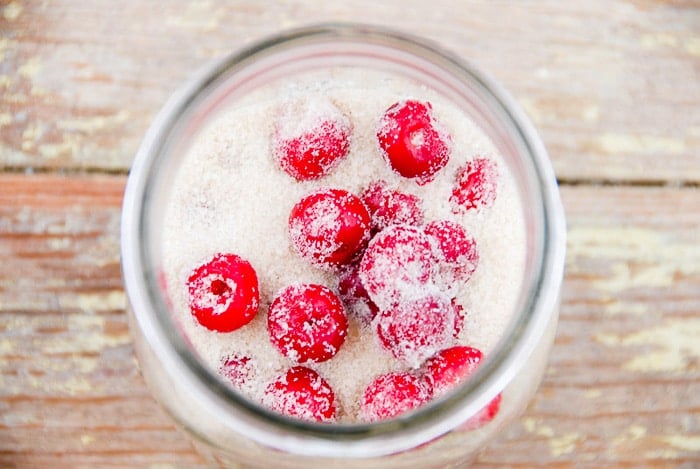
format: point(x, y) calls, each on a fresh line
point(238, 369)
point(412, 142)
point(223, 293)
point(329, 227)
point(391, 207)
point(393, 394)
point(311, 138)
point(307, 323)
point(416, 329)
point(484, 416)
point(302, 393)
point(456, 251)
point(354, 295)
point(475, 186)
point(397, 263)
point(459, 318)
point(446, 369)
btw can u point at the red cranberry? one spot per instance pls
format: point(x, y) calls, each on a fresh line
point(475, 186)
point(302, 393)
point(393, 394)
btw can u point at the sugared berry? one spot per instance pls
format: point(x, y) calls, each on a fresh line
point(329, 227)
point(391, 207)
point(302, 393)
point(393, 394)
point(416, 329)
point(459, 318)
point(223, 293)
point(412, 142)
point(456, 251)
point(484, 416)
point(311, 137)
point(307, 323)
point(449, 367)
point(398, 263)
point(354, 295)
point(475, 186)
point(238, 369)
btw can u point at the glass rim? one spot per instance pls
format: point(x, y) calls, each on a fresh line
point(346, 440)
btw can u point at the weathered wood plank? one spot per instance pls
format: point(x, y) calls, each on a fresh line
point(622, 388)
point(614, 86)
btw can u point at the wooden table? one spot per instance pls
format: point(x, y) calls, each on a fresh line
point(613, 86)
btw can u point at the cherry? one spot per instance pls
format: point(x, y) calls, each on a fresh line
point(456, 250)
point(398, 263)
point(354, 295)
point(302, 393)
point(307, 323)
point(475, 186)
point(412, 142)
point(329, 227)
point(311, 138)
point(393, 394)
point(391, 207)
point(416, 329)
point(223, 293)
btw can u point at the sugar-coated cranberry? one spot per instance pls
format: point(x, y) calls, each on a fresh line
point(391, 207)
point(238, 369)
point(302, 393)
point(393, 394)
point(329, 227)
point(456, 251)
point(311, 138)
point(475, 186)
point(354, 295)
point(307, 323)
point(223, 293)
point(459, 318)
point(412, 142)
point(484, 416)
point(416, 329)
point(398, 263)
point(447, 368)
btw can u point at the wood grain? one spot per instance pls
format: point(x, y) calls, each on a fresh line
point(622, 388)
point(614, 86)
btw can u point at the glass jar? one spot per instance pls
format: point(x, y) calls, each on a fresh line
point(232, 431)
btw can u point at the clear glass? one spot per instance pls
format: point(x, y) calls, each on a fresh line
point(230, 430)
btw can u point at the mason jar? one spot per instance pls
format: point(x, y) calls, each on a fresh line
point(231, 430)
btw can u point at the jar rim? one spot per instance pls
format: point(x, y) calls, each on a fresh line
point(346, 440)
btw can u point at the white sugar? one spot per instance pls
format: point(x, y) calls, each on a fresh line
point(231, 196)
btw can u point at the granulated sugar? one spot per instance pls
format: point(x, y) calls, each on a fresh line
point(230, 196)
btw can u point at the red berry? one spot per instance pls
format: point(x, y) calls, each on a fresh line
point(301, 393)
point(391, 207)
point(484, 416)
point(475, 186)
point(398, 263)
point(237, 369)
point(307, 323)
point(311, 138)
point(459, 318)
point(223, 293)
point(456, 250)
point(329, 227)
point(393, 394)
point(354, 295)
point(416, 329)
point(447, 368)
point(412, 142)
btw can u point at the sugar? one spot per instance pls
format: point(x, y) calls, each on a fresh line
point(231, 196)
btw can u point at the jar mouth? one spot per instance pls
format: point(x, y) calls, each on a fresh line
point(152, 312)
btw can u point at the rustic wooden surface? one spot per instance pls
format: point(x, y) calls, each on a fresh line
point(614, 87)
